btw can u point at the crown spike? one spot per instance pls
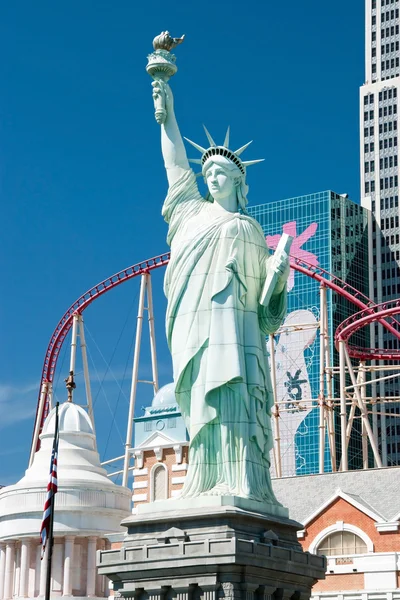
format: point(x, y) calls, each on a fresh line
point(226, 140)
point(210, 140)
point(199, 148)
point(243, 148)
point(248, 163)
point(196, 161)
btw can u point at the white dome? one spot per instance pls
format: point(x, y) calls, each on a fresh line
point(87, 501)
point(72, 418)
point(165, 396)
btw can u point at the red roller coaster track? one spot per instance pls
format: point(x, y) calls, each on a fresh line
point(368, 312)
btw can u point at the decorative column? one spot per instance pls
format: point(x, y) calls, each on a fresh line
point(68, 558)
point(91, 567)
point(43, 571)
point(182, 593)
point(9, 570)
point(157, 594)
point(24, 570)
point(249, 589)
point(267, 592)
point(100, 579)
point(2, 569)
point(209, 592)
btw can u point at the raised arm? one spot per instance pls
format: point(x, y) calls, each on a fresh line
point(173, 149)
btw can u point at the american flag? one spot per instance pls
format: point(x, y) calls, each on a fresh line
point(46, 529)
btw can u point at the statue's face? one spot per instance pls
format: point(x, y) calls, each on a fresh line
point(219, 182)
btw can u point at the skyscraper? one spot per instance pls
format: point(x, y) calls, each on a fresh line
point(380, 187)
point(329, 230)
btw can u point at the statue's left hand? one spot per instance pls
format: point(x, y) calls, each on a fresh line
point(281, 265)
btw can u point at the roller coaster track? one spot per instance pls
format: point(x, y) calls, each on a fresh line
point(57, 339)
point(361, 319)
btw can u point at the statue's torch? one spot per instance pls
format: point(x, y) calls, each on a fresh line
point(161, 66)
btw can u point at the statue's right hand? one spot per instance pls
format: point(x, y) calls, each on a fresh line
point(161, 90)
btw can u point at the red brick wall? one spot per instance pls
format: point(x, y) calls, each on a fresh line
point(340, 510)
point(168, 459)
point(350, 581)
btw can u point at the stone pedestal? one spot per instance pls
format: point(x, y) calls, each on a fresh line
point(172, 550)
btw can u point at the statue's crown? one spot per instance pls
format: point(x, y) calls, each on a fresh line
point(224, 151)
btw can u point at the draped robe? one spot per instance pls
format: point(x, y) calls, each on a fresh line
point(216, 334)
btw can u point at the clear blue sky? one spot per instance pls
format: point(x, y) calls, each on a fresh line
point(82, 179)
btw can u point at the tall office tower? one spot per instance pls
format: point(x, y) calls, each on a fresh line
point(329, 230)
point(380, 188)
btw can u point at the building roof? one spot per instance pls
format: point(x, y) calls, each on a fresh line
point(375, 491)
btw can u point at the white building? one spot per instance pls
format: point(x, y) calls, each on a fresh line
point(87, 507)
point(380, 186)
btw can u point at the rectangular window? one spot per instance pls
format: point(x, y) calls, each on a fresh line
point(371, 114)
point(367, 187)
point(366, 167)
point(372, 166)
point(371, 130)
point(373, 189)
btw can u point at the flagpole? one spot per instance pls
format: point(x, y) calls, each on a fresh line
point(51, 525)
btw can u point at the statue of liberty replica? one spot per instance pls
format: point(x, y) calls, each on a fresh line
point(217, 315)
point(226, 537)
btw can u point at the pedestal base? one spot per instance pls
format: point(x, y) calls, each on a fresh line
point(206, 553)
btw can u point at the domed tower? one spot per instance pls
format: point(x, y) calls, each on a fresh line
point(87, 507)
point(161, 449)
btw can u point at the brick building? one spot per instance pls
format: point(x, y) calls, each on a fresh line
point(353, 518)
point(161, 449)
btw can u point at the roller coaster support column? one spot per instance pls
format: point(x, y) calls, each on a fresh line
point(352, 414)
point(343, 415)
point(329, 387)
point(86, 371)
point(321, 399)
point(277, 445)
point(75, 325)
point(152, 333)
point(135, 370)
point(44, 393)
point(364, 435)
point(362, 407)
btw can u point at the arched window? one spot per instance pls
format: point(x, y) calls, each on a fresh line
point(341, 543)
point(159, 483)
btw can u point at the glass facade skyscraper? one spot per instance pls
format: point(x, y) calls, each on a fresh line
point(330, 231)
point(379, 168)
